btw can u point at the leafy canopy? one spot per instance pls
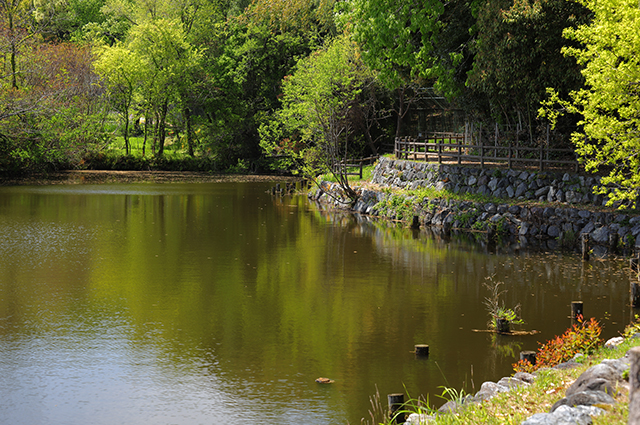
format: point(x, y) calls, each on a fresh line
point(319, 101)
point(609, 103)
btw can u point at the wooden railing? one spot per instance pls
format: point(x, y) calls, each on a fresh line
point(457, 148)
point(358, 164)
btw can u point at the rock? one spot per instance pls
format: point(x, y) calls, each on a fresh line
point(512, 382)
point(565, 415)
point(572, 197)
point(614, 342)
point(419, 419)
point(520, 190)
point(553, 231)
point(584, 398)
point(597, 378)
point(571, 364)
point(452, 406)
point(525, 377)
point(600, 235)
point(488, 390)
point(542, 192)
point(588, 228)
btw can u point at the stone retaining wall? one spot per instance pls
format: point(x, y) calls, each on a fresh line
point(511, 184)
point(564, 223)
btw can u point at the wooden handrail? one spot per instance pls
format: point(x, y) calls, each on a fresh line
point(439, 146)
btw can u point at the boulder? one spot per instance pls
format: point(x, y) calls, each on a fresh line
point(584, 398)
point(601, 377)
point(600, 235)
point(565, 415)
point(489, 389)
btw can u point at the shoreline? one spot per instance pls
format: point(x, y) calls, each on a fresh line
point(439, 196)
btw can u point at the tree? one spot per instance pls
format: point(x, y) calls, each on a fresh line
point(518, 54)
point(121, 71)
point(64, 19)
point(321, 103)
point(609, 103)
point(410, 41)
point(16, 30)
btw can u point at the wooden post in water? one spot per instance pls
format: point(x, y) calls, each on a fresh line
point(395, 403)
point(415, 224)
point(634, 264)
point(585, 247)
point(635, 294)
point(613, 243)
point(577, 309)
point(634, 383)
point(422, 350)
point(529, 356)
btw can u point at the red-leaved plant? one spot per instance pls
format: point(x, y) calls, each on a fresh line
point(581, 337)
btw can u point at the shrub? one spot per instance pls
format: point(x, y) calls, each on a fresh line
point(581, 337)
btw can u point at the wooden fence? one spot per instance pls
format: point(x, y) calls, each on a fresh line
point(461, 147)
point(344, 167)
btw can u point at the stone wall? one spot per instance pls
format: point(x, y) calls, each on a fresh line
point(509, 184)
point(563, 223)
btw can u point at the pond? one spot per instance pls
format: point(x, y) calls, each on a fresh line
point(209, 303)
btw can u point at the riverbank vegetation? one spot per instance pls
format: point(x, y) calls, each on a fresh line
point(519, 403)
point(304, 86)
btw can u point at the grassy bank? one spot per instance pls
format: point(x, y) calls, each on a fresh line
point(515, 406)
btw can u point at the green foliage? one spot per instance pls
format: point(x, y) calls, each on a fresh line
point(496, 308)
point(609, 102)
point(408, 41)
point(321, 103)
point(632, 329)
point(518, 55)
point(582, 337)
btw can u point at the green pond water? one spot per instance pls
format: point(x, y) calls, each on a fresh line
point(216, 303)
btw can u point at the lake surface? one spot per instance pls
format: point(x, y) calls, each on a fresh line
point(217, 303)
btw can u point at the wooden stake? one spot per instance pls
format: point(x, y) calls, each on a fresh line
point(635, 294)
point(577, 309)
point(529, 356)
point(585, 247)
point(422, 350)
point(396, 401)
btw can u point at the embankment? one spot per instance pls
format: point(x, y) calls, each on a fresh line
point(554, 209)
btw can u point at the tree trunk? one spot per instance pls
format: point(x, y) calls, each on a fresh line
point(187, 116)
point(146, 132)
point(14, 49)
point(162, 128)
point(400, 111)
point(125, 117)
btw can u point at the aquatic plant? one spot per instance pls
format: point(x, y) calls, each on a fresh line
point(500, 317)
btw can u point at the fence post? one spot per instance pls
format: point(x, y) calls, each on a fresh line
point(547, 141)
point(509, 153)
point(460, 146)
point(495, 143)
point(541, 157)
point(481, 152)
